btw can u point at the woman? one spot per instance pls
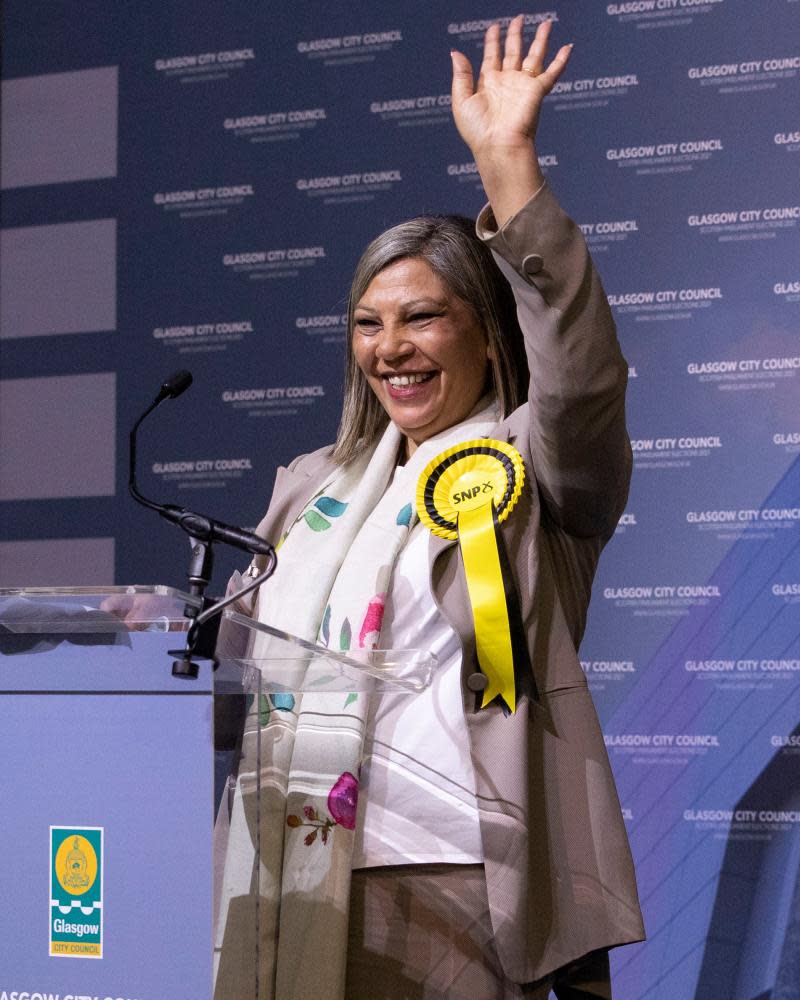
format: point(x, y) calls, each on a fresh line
point(537, 882)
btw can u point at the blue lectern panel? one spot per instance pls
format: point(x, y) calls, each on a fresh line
point(137, 768)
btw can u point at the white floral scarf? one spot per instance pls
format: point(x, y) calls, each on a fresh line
point(334, 571)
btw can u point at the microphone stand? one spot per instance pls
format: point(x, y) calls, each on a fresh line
point(201, 637)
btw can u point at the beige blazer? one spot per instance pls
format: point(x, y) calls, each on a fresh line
point(558, 867)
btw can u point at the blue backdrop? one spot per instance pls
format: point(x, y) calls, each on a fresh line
point(190, 185)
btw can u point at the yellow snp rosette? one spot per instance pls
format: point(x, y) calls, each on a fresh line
point(464, 493)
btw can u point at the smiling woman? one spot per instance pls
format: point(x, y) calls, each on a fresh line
point(483, 852)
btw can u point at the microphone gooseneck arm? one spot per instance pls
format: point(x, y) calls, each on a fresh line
point(171, 388)
point(201, 637)
point(199, 526)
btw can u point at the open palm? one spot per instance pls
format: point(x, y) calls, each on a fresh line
point(502, 112)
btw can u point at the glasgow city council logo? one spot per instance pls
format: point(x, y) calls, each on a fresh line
point(76, 891)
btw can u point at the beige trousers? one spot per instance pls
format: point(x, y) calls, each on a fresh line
point(423, 932)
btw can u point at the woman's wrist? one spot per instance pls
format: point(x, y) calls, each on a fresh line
point(510, 179)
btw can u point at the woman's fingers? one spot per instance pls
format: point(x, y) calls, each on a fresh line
point(491, 49)
point(555, 69)
point(464, 84)
point(513, 53)
point(534, 60)
point(463, 80)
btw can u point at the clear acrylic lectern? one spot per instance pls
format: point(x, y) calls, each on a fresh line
point(137, 806)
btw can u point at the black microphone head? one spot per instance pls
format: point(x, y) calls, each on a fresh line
point(177, 383)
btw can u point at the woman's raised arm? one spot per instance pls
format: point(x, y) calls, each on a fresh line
point(498, 118)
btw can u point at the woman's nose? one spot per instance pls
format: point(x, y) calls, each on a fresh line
point(393, 343)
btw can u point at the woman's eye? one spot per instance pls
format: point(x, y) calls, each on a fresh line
point(366, 325)
point(422, 317)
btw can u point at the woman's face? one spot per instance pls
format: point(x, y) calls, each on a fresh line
point(422, 349)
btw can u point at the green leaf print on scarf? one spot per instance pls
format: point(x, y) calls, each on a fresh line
point(281, 700)
point(316, 521)
point(404, 517)
point(325, 627)
point(327, 506)
point(345, 636)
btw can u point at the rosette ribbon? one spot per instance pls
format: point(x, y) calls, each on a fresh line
point(465, 493)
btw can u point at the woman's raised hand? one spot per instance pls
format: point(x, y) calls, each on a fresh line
point(498, 118)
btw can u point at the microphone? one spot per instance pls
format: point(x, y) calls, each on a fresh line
point(199, 526)
point(177, 383)
point(207, 529)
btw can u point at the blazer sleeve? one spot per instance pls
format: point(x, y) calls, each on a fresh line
point(578, 376)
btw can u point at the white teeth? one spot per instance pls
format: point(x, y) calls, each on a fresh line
point(398, 380)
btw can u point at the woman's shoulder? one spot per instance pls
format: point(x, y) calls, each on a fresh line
point(313, 462)
point(294, 482)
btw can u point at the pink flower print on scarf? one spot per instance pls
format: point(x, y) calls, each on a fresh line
point(373, 619)
point(343, 800)
point(342, 805)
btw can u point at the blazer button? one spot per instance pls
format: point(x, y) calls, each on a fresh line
point(477, 682)
point(532, 264)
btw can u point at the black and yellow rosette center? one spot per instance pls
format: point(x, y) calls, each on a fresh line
point(464, 494)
